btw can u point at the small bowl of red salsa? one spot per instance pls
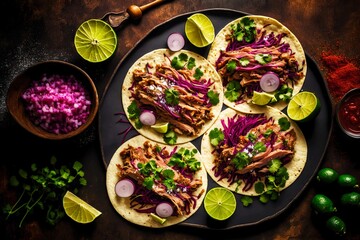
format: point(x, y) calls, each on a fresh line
point(348, 113)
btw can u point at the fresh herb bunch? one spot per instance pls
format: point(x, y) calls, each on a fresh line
point(43, 190)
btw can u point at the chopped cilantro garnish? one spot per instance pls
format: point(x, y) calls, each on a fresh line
point(268, 132)
point(191, 63)
point(284, 123)
point(259, 187)
point(232, 91)
point(171, 96)
point(179, 61)
point(263, 58)
point(284, 93)
point(184, 159)
point(134, 114)
point(216, 136)
point(198, 73)
point(213, 97)
point(246, 200)
point(274, 165)
point(252, 137)
point(244, 30)
point(133, 110)
point(170, 137)
point(231, 66)
point(244, 62)
point(42, 189)
point(259, 147)
point(241, 160)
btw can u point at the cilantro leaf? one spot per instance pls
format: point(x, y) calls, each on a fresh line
point(274, 165)
point(216, 136)
point(198, 73)
point(213, 97)
point(284, 124)
point(241, 160)
point(172, 96)
point(245, 30)
point(191, 63)
point(133, 110)
point(263, 58)
point(231, 66)
point(170, 137)
point(246, 200)
point(259, 187)
point(232, 91)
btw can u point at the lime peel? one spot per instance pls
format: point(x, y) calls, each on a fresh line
point(220, 203)
point(79, 210)
point(95, 40)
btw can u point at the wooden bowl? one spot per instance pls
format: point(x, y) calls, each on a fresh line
point(18, 86)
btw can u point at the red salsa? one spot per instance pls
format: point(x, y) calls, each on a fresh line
point(349, 114)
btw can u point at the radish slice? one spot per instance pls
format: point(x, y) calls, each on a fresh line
point(164, 210)
point(147, 118)
point(175, 42)
point(124, 188)
point(269, 82)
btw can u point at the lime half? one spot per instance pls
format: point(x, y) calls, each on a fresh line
point(261, 98)
point(220, 203)
point(95, 40)
point(79, 210)
point(160, 127)
point(303, 107)
point(199, 30)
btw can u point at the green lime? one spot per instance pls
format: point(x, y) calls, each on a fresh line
point(220, 203)
point(303, 107)
point(160, 127)
point(347, 181)
point(95, 40)
point(327, 175)
point(199, 30)
point(336, 225)
point(322, 204)
point(158, 219)
point(350, 199)
point(261, 98)
point(79, 210)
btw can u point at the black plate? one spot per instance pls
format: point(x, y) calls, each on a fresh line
point(317, 132)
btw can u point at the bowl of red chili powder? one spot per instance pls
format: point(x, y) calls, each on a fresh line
point(348, 113)
point(53, 100)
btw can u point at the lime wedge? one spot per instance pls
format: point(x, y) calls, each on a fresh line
point(199, 30)
point(220, 203)
point(303, 107)
point(158, 219)
point(261, 98)
point(95, 40)
point(160, 127)
point(79, 210)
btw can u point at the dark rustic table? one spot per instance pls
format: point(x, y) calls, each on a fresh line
point(34, 31)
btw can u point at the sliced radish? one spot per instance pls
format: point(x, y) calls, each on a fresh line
point(269, 82)
point(124, 188)
point(164, 210)
point(175, 42)
point(147, 118)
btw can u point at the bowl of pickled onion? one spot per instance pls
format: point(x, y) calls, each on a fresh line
point(53, 100)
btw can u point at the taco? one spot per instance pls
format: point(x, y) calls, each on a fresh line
point(258, 54)
point(182, 90)
point(246, 151)
point(160, 174)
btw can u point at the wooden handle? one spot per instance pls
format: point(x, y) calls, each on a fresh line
point(135, 11)
point(151, 4)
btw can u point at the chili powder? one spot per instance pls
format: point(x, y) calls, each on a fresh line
point(342, 74)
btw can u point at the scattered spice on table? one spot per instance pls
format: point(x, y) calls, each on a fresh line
point(342, 74)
